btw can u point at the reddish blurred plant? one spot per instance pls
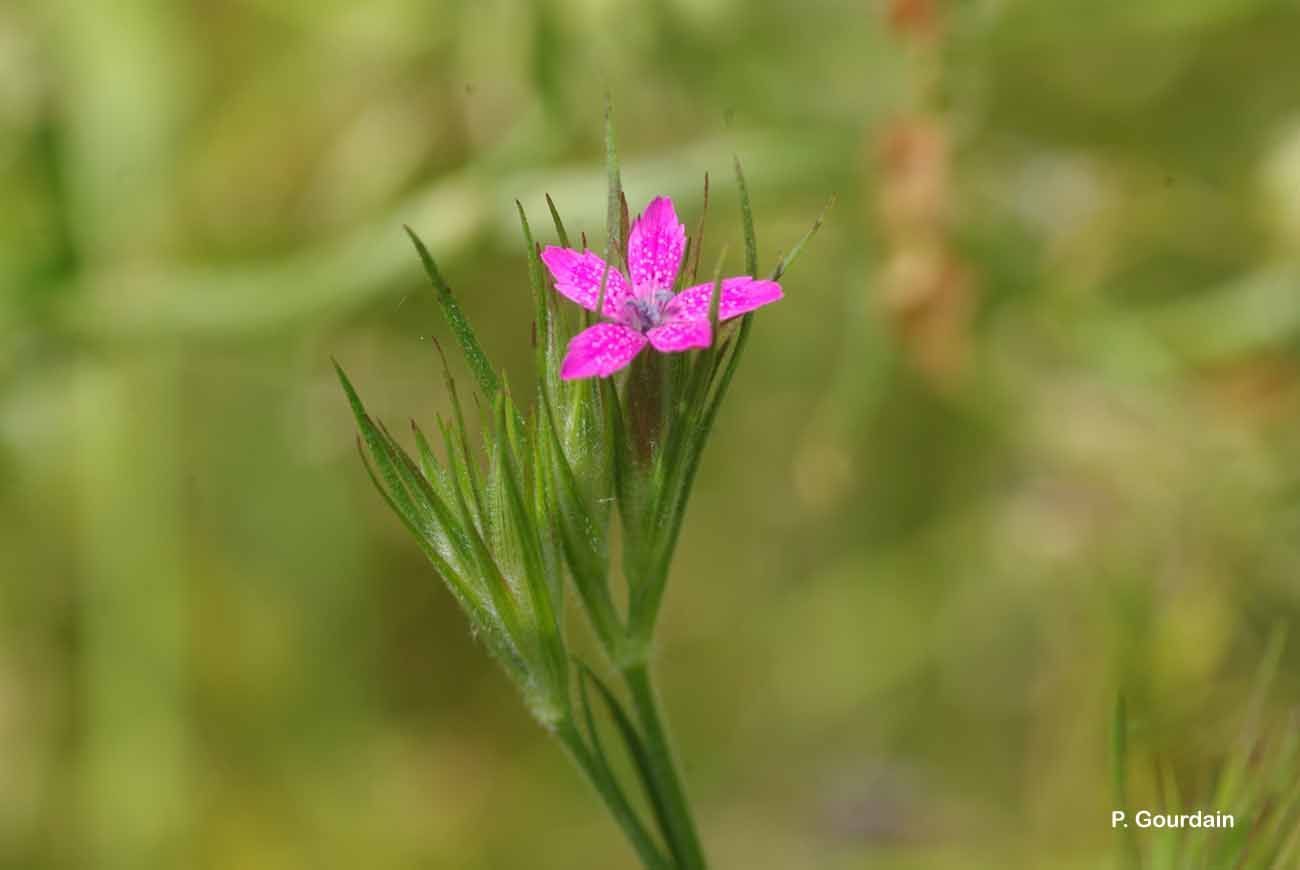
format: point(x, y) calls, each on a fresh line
point(927, 291)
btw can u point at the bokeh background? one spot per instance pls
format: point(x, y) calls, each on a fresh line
point(1023, 436)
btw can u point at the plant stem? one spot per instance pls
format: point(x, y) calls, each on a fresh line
point(601, 779)
point(667, 781)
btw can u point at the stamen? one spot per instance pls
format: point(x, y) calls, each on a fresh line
point(646, 313)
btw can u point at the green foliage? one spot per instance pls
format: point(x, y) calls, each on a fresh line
point(1258, 785)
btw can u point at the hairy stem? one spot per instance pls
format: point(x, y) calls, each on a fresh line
point(603, 781)
point(667, 781)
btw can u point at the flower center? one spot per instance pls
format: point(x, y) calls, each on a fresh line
point(647, 309)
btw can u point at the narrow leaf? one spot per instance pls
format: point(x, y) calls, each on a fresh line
point(428, 461)
point(536, 279)
point(469, 345)
point(799, 245)
point(443, 480)
point(602, 779)
point(559, 224)
point(439, 522)
point(614, 200)
point(461, 489)
point(635, 749)
point(483, 616)
point(525, 533)
point(747, 220)
point(699, 233)
point(462, 439)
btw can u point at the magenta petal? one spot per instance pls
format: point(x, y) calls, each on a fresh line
point(655, 246)
point(601, 350)
point(739, 295)
point(681, 335)
point(577, 276)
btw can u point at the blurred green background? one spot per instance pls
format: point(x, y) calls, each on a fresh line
point(1022, 436)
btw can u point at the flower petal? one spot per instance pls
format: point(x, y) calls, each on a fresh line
point(655, 246)
point(601, 350)
point(577, 276)
point(739, 296)
point(681, 335)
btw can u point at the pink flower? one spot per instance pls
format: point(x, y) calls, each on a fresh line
point(648, 310)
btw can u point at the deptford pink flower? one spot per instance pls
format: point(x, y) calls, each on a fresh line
point(647, 311)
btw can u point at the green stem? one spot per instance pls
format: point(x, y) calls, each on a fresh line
point(603, 781)
point(667, 781)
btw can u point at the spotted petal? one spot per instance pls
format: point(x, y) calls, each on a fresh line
point(601, 350)
point(578, 274)
point(679, 335)
point(655, 246)
point(739, 296)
